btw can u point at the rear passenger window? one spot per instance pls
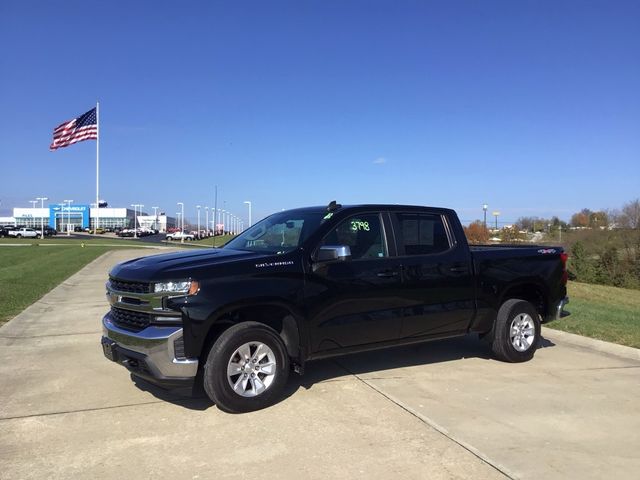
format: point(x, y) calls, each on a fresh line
point(422, 234)
point(363, 234)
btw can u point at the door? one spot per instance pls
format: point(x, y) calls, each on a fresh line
point(354, 302)
point(436, 276)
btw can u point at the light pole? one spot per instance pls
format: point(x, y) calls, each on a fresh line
point(155, 218)
point(249, 203)
point(206, 209)
point(182, 220)
point(496, 214)
point(33, 204)
point(198, 207)
point(135, 219)
point(222, 217)
point(484, 209)
point(68, 202)
point(42, 199)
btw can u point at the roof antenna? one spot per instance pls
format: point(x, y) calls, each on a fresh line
point(333, 206)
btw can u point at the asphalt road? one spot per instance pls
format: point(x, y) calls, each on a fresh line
point(439, 410)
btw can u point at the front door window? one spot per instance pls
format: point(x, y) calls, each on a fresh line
point(363, 234)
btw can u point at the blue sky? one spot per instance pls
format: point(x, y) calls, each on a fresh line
point(530, 106)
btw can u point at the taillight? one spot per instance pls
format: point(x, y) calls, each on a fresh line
point(564, 256)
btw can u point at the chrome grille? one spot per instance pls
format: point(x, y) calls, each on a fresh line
point(131, 287)
point(130, 320)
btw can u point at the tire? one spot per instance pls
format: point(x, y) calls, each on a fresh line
point(248, 378)
point(516, 331)
point(19, 236)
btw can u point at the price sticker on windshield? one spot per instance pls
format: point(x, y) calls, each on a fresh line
point(357, 225)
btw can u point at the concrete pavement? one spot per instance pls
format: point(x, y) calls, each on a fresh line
point(439, 410)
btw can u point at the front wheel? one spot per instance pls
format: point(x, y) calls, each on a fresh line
point(516, 331)
point(246, 369)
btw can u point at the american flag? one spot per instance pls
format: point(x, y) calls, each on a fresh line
point(85, 127)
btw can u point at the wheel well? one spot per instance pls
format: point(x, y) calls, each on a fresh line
point(530, 292)
point(278, 318)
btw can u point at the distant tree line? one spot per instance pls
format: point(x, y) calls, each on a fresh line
point(626, 217)
point(603, 246)
point(611, 257)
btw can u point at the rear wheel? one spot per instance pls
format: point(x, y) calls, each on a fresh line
point(246, 369)
point(516, 331)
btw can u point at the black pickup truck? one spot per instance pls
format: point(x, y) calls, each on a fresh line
point(315, 282)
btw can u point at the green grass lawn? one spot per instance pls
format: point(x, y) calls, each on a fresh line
point(606, 313)
point(88, 240)
point(28, 272)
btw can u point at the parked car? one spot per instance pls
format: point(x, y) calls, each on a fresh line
point(126, 232)
point(24, 232)
point(180, 236)
point(4, 231)
point(318, 282)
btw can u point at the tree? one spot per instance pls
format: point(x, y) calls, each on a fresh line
point(581, 267)
point(581, 219)
point(630, 217)
point(510, 235)
point(598, 219)
point(476, 232)
point(525, 223)
point(610, 270)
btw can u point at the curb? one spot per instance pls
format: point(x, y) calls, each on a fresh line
point(591, 343)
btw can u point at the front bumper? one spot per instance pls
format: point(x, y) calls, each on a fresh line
point(150, 353)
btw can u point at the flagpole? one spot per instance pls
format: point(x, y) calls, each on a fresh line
point(95, 226)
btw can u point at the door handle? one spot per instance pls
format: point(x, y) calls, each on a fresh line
point(458, 270)
point(387, 274)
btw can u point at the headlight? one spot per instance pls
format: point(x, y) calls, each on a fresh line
point(188, 287)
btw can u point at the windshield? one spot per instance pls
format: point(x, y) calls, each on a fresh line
point(278, 233)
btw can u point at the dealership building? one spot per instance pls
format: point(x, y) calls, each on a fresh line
point(61, 215)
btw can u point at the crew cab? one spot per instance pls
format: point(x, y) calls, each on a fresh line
point(316, 282)
point(23, 232)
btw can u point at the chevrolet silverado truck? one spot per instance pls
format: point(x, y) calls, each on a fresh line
point(316, 282)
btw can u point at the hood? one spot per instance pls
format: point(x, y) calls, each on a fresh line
point(178, 264)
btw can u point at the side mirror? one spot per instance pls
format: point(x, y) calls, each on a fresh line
point(333, 253)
